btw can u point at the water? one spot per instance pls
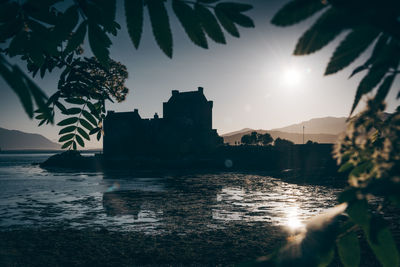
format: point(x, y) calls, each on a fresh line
point(33, 197)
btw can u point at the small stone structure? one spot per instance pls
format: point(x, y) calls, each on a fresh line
point(185, 129)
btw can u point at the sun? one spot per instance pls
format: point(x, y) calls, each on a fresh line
point(291, 77)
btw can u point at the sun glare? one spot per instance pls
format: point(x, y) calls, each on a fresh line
point(293, 221)
point(291, 77)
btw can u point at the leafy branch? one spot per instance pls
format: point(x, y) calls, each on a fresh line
point(368, 151)
point(46, 38)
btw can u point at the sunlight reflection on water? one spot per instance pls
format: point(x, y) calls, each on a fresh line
point(32, 197)
point(280, 203)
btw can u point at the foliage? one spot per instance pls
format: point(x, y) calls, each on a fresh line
point(368, 151)
point(309, 142)
point(46, 37)
point(86, 85)
point(255, 138)
point(282, 142)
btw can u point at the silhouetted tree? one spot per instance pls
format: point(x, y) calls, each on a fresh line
point(309, 142)
point(255, 138)
point(266, 139)
point(282, 142)
point(246, 139)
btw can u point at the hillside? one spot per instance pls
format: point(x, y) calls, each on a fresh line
point(294, 137)
point(327, 125)
point(17, 140)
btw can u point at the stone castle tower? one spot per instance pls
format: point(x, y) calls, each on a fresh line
point(186, 128)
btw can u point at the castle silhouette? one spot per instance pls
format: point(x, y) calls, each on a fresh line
point(185, 129)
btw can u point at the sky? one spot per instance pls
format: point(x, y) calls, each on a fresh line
point(254, 81)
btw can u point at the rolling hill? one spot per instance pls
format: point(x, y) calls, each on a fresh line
point(321, 130)
point(327, 125)
point(17, 140)
point(296, 138)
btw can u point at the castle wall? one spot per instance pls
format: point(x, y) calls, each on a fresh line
point(186, 128)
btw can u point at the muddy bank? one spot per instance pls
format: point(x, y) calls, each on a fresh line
point(58, 247)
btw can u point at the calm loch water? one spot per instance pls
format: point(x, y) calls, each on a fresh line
point(33, 197)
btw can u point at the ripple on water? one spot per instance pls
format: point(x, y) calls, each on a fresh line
point(194, 203)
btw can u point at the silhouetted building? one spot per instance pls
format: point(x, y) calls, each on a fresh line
point(186, 128)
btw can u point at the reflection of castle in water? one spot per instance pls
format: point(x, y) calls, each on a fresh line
point(199, 202)
point(186, 128)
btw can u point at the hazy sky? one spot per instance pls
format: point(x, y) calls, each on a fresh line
point(254, 81)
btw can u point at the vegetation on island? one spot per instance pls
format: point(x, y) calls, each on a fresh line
point(255, 138)
point(46, 37)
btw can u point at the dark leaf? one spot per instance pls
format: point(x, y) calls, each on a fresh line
point(89, 117)
point(17, 84)
point(98, 135)
point(345, 167)
point(39, 117)
point(296, 11)
point(41, 122)
point(348, 195)
point(79, 140)
point(10, 29)
point(358, 212)
point(349, 249)
point(160, 25)
point(226, 22)
point(17, 44)
point(368, 83)
point(77, 101)
point(41, 11)
point(93, 110)
point(134, 20)
point(361, 168)
point(8, 11)
point(68, 121)
point(190, 23)
point(357, 70)
point(40, 98)
point(242, 20)
point(382, 243)
point(73, 111)
point(209, 24)
point(383, 89)
point(77, 38)
point(107, 13)
point(66, 24)
point(83, 133)
point(99, 43)
point(324, 30)
point(86, 124)
point(350, 49)
point(60, 106)
point(74, 145)
point(66, 137)
point(326, 258)
point(378, 48)
point(95, 130)
point(67, 144)
point(67, 129)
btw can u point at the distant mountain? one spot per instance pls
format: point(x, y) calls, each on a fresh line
point(296, 138)
point(245, 130)
point(327, 125)
point(321, 130)
point(17, 140)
